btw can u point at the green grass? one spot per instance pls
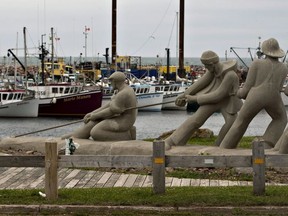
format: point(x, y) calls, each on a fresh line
point(245, 142)
point(178, 196)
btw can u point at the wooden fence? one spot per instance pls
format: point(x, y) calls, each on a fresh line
point(158, 161)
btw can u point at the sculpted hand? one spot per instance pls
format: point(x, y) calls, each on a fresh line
point(180, 100)
point(191, 98)
point(240, 94)
point(87, 118)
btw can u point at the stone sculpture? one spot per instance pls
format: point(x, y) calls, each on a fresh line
point(215, 91)
point(282, 143)
point(113, 121)
point(262, 91)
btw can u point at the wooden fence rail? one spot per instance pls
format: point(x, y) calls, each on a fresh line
point(158, 161)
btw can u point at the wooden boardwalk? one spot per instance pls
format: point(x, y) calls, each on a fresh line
point(28, 178)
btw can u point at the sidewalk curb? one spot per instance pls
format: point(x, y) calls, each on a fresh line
point(14, 209)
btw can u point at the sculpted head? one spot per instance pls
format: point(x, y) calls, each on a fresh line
point(117, 79)
point(210, 59)
point(271, 48)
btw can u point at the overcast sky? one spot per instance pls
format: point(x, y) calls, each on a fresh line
point(144, 27)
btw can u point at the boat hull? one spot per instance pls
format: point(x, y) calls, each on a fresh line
point(71, 105)
point(25, 108)
point(169, 101)
point(145, 101)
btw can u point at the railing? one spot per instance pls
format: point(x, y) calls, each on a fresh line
point(158, 161)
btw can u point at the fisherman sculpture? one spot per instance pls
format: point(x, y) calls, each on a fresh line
point(215, 91)
point(113, 121)
point(262, 91)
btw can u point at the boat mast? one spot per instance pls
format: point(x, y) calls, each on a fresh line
point(25, 57)
point(181, 71)
point(114, 33)
point(52, 53)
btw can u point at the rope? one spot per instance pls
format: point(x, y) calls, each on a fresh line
point(81, 120)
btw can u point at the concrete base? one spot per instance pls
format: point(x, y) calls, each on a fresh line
point(131, 147)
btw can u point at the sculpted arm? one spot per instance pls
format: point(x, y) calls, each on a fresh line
point(195, 88)
point(250, 81)
point(226, 88)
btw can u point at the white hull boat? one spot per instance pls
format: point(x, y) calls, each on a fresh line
point(24, 108)
point(151, 102)
point(146, 101)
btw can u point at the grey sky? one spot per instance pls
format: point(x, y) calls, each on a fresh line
point(144, 27)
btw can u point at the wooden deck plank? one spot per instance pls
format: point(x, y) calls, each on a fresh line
point(102, 181)
point(95, 178)
point(168, 181)
point(139, 181)
point(148, 182)
point(204, 182)
point(85, 179)
point(68, 178)
point(38, 181)
point(185, 182)
point(130, 181)
point(112, 180)
point(76, 179)
point(214, 183)
point(9, 173)
point(195, 182)
point(36, 172)
point(26, 178)
point(121, 181)
point(11, 177)
point(176, 182)
point(25, 174)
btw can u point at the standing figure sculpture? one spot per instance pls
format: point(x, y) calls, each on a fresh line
point(262, 91)
point(215, 91)
point(113, 121)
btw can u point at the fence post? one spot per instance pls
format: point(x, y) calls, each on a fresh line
point(158, 171)
point(51, 175)
point(258, 161)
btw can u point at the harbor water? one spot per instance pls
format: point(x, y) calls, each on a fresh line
point(148, 124)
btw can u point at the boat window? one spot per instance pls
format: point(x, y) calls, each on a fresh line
point(10, 96)
point(55, 90)
point(5, 96)
point(66, 91)
point(61, 90)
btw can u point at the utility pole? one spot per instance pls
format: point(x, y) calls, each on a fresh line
point(181, 71)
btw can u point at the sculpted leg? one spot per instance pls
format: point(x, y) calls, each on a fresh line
point(282, 144)
point(276, 126)
point(105, 131)
point(229, 120)
point(84, 131)
point(182, 134)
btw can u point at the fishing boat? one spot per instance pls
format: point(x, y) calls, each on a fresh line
point(14, 103)
point(170, 92)
point(65, 99)
point(146, 101)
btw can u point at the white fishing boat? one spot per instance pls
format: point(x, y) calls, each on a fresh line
point(14, 104)
point(146, 100)
point(170, 92)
